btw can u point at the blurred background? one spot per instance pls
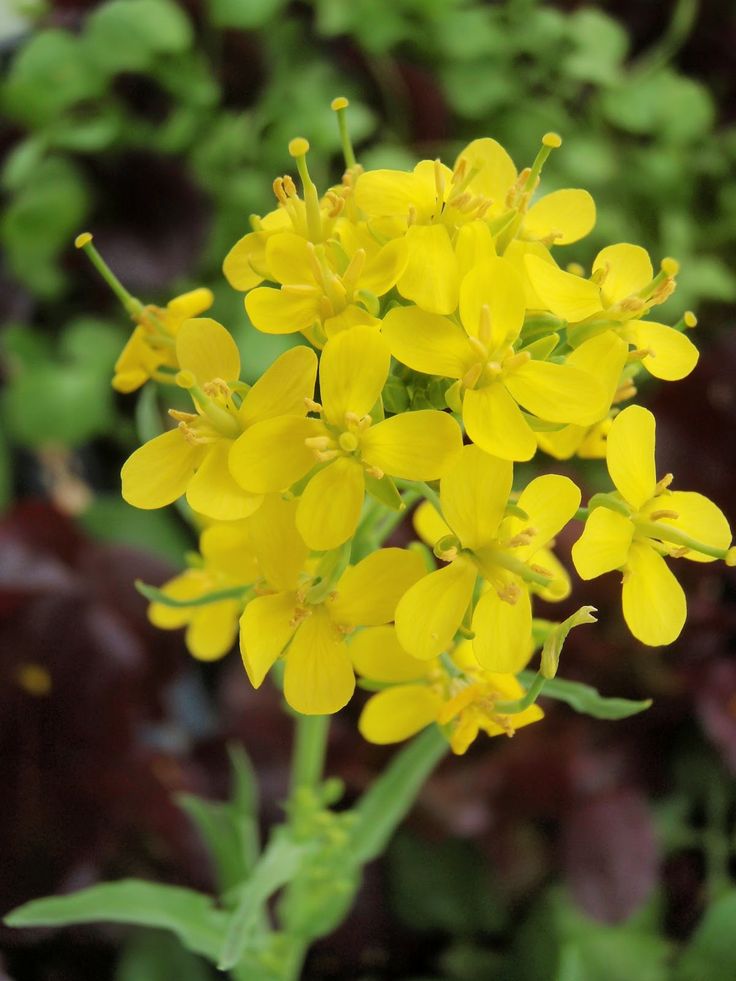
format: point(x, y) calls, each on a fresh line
point(581, 850)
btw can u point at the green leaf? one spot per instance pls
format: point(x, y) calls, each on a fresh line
point(277, 866)
point(153, 956)
point(711, 952)
point(586, 700)
point(244, 15)
point(190, 915)
point(49, 74)
point(110, 519)
point(67, 404)
point(128, 35)
point(600, 45)
point(229, 829)
point(6, 473)
point(390, 798)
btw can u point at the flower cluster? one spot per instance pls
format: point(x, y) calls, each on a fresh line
point(441, 338)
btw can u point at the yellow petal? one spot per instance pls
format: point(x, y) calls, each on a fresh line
point(279, 547)
point(208, 350)
point(377, 654)
point(398, 713)
point(571, 213)
point(428, 524)
point(628, 270)
point(557, 392)
point(191, 584)
point(516, 252)
point(570, 297)
point(550, 501)
point(604, 357)
point(419, 445)
point(383, 268)
point(427, 342)
point(352, 371)
point(319, 676)
point(351, 316)
point(158, 472)
point(330, 505)
point(474, 494)
point(288, 259)
point(430, 613)
point(244, 261)
point(495, 171)
point(282, 388)
point(473, 244)
point(495, 423)
point(271, 455)
point(495, 284)
point(265, 629)
point(279, 312)
point(368, 592)
point(604, 544)
point(503, 632)
point(392, 192)
point(228, 548)
point(190, 304)
point(698, 517)
point(653, 601)
point(212, 491)
point(212, 630)
point(673, 355)
point(431, 276)
point(560, 587)
point(630, 455)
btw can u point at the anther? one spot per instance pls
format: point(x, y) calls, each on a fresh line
point(312, 406)
point(664, 483)
point(317, 442)
point(664, 513)
point(186, 379)
point(484, 328)
point(690, 319)
point(278, 190)
point(375, 472)
point(575, 269)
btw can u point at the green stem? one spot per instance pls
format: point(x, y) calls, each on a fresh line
point(310, 746)
point(521, 704)
point(131, 304)
point(424, 490)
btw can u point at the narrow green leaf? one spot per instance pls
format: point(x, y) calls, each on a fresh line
point(384, 806)
point(190, 915)
point(277, 866)
point(586, 700)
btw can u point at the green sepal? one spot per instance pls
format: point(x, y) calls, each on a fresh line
point(384, 491)
point(541, 349)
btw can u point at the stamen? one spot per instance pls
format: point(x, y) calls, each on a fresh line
point(626, 391)
point(478, 346)
point(484, 328)
point(663, 484)
point(471, 377)
point(664, 513)
point(312, 406)
point(550, 142)
point(375, 472)
point(318, 442)
point(278, 190)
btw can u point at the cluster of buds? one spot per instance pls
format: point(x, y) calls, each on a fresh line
point(439, 340)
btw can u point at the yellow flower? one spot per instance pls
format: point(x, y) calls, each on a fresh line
point(494, 381)
point(648, 521)
point(193, 458)
point(228, 563)
point(501, 548)
point(323, 289)
point(306, 620)
point(432, 204)
point(151, 346)
point(345, 443)
point(458, 694)
point(621, 290)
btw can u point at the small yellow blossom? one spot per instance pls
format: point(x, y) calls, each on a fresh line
point(344, 443)
point(457, 693)
point(193, 458)
point(643, 522)
point(307, 619)
point(500, 548)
